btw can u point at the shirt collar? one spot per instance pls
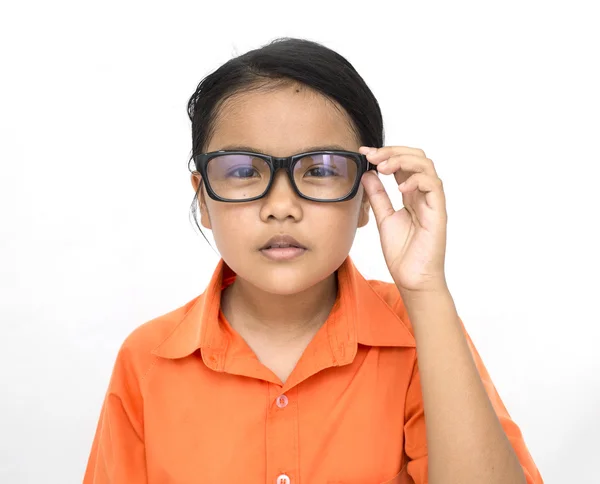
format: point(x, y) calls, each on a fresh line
point(362, 316)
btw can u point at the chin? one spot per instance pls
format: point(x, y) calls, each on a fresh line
point(283, 278)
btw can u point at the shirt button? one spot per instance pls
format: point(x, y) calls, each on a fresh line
point(283, 479)
point(282, 402)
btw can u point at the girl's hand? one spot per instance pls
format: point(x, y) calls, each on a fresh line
point(413, 239)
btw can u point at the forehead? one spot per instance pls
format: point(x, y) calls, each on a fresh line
point(282, 122)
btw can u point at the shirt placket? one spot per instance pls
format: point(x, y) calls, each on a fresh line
point(282, 436)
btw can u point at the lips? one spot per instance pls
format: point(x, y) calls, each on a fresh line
point(282, 242)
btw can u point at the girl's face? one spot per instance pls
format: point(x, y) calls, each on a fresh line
point(284, 122)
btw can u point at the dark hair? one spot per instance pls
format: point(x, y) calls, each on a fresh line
point(282, 61)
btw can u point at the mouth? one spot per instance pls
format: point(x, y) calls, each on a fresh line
point(282, 247)
point(282, 242)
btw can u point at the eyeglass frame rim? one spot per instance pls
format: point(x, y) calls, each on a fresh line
point(286, 162)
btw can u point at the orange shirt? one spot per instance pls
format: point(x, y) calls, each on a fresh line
point(189, 402)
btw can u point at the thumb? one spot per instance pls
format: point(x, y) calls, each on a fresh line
point(378, 197)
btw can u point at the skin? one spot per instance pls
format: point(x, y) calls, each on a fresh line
point(283, 303)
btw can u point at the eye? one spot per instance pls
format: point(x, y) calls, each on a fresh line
point(243, 172)
point(320, 171)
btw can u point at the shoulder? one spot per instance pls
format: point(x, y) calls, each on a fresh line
point(151, 333)
point(389, 294)
point(136, 351)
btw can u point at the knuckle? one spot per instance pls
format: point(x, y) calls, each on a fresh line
point(379, 191)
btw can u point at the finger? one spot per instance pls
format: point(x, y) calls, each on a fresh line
point(378, 197)
point(379, 154)
point(431, 187)
point(406, 163)
point(365, 149)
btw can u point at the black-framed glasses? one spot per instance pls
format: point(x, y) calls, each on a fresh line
point(321, 176)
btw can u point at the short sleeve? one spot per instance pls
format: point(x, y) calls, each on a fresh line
point(415, 440)
point(511, 429)
point(118, 455)
point(414, 427)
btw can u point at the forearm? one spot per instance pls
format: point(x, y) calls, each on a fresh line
point(466, 443)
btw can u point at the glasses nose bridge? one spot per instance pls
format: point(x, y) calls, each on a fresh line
point(284, 162)
point(281, 162)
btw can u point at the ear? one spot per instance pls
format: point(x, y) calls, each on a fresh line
point(363, 216)
point(204, 216)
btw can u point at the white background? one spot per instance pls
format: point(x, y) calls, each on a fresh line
point(95, 236)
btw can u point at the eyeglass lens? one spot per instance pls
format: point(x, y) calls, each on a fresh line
point(322, 176)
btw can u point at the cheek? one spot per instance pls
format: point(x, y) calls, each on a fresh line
point(229, 223)
point(335, 224)
point(331, 225)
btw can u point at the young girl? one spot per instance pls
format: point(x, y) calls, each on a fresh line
point(291, 367)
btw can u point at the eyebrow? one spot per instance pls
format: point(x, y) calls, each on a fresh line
point(309, 148)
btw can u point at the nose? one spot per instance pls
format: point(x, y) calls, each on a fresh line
point(281, 202)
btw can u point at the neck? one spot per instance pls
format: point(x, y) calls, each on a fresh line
point(281, 317)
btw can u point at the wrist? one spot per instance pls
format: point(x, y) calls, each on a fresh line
point(425, 298)
point(431, 288)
